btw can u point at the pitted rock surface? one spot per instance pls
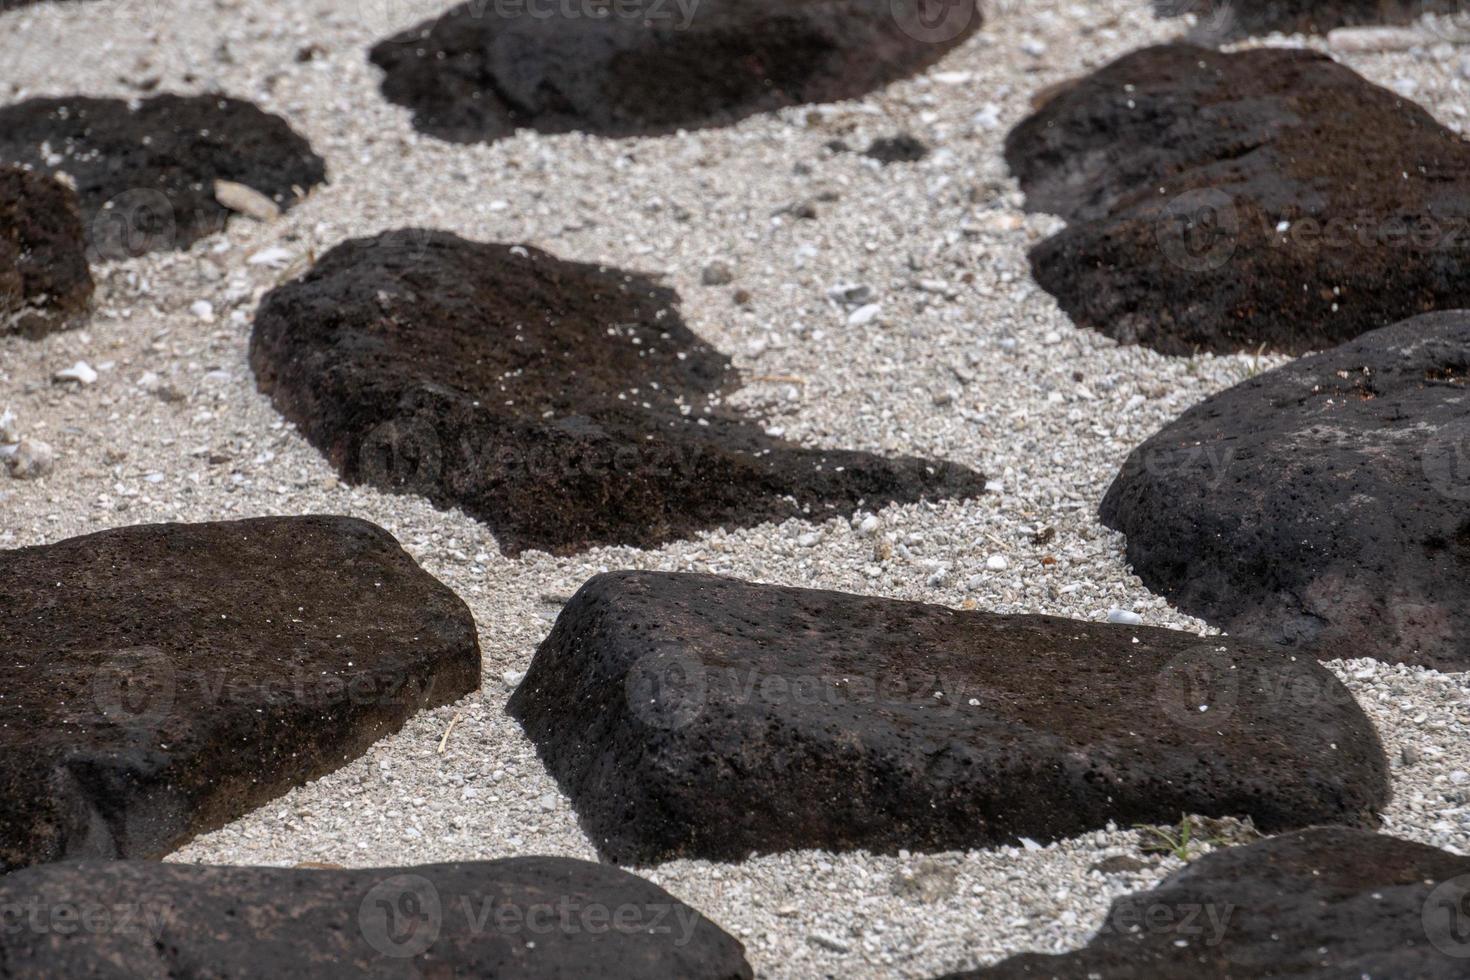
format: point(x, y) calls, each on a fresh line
point(693, 716)
point(45, 284)
point(564, 405)
point(527, 918)
point(145, 171)
point(479, 72)
point(1319, 904)
point(162, 680)
point(1322, 505)
point(1225, 202)
point(1230, 19)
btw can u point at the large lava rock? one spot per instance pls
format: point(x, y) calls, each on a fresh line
point(145, 170)
point(1321, 505)
point(45, 284)
point(564, 405)
point(1322, 903)
point(161, 680)
point(697, 716)
point(1222, 202)
point(525, 917)
point(1239, 18)
point(479, 72)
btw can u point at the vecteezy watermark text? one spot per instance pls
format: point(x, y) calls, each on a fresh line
point(403, 916)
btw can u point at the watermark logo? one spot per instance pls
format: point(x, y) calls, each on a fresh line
point(1446, 917)
point(401, 916)
point(1200, 688)
point(1192, 923)
point(135, 687)
point(402, 454)
point(1199, 230)
point(140, 918)
point(667, 688)
point(1446, 460)
point(933, 21)
point(1208, 463)
point(1213, 19)
point(134, 223)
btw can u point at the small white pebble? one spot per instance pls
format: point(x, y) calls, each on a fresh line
point(81, 372)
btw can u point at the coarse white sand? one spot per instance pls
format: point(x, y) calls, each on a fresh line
point(992, 375)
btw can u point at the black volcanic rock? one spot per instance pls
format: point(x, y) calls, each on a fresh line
point(1321, 904)
point(145, 171)
point(704, 717)
point(1231, 19)
point(520, 918)
point(45, 284)
point(902, 148)
point(1222, 202)
point(479, 72)
point(162, 680)
point(1321, 505)
point(564, 405)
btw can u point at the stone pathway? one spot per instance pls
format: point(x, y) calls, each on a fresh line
point(564, 405)
point(1320, 506)
point(1235, 201)
point(162, 680)
point(1317, 903)
point(45, 284)
point(697, 716)
point(879, 301)
point(518, 917)
point(647, 67)
point(147, 171)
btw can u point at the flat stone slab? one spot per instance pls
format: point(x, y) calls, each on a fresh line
point(692, 716)
point(1328, 902)
point(1322, 505)
point(162, 680)
point(1222, 202)
point(523, 917)
point(145, 170)
point(479, 72)
point(45, 284)
point(564, 405)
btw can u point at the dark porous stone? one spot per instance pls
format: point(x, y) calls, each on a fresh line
point(45, 284)
point(1322, 505)
point(1321, 904)
point(145, 172)
point(519, 918)
point(480, 71)
point(704, 717)
point(565, 405)
point(1231, 19)
point(902, 148)
point(1222, 202)
point(162, 680)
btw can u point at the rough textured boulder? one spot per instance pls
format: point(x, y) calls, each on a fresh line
point(698, 716)
point(1239, 18)
point(164, 679)
point(1222, 202)
point(1319, 904)
point(564, 405)
point(145, 171)
point(44, 280)
point(525, 917)
point(480, 72)
point(1321, 505)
